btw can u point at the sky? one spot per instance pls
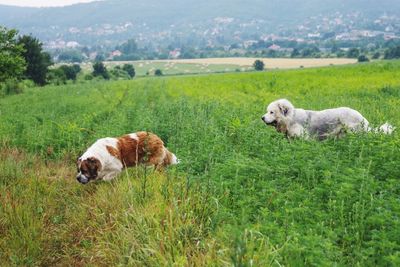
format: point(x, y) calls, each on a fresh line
point(42, 3)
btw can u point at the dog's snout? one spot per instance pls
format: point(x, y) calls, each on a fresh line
point(263, 118)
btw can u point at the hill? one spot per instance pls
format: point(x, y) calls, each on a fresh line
point(131, 18)
point(242, 195)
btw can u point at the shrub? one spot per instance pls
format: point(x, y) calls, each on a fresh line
point(258, 65)
point(70, 72)
point(392, 53)
point(353, 53)
point(129, 69)
point(158, 72)
point(100, 70)
point(363, 58)
point(88, 77)
point(56, 76)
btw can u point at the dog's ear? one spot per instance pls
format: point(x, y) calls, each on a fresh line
point(283, 108)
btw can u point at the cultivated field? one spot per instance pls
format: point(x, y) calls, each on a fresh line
point(243, 194)
point(211, 65)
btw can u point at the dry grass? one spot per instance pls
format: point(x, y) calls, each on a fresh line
point(270, 63)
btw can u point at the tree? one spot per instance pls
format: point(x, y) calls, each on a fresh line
point(393, 52)
point(158, 72)
point(38, 62)
point(128, 47)
point(72, 56)
point(376, 55)
point(258, 65)
point(363, 58)
point(100, 70)
point(295, 53)
point(129, 69)
point(353, 53)
point(12, 63)
point(71, 72)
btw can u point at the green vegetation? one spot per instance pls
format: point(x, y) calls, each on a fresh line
point(258, 65)
point(158, 72)
point(12, 63)
point(243, 194)
point(99, 70)
point(392, 52)
point(37, 61)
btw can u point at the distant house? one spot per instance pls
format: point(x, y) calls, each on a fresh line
point(274, 47)
point(116, 53)
point(174, 54)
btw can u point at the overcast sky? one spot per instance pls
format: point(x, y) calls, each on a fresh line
point(42, 3)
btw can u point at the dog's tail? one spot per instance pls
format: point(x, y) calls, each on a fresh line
point(385, 128)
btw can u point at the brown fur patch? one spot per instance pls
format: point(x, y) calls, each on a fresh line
point(168, 158)
point(149, 149)
point(90, 167)
point(114, 152)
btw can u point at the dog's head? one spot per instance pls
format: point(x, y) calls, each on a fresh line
point(278, 112)
point(88, 169)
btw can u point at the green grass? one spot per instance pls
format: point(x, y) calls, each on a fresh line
point(243, 194)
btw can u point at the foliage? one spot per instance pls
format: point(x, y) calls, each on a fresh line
point(243, 194)
point(71, 56)
point(37, 61)
point(158, 72)
point(129, 69)
point(258, 65)
point(56, 76)
point(12, 63)
point(392, 52)
point(353, 53)
point(100, 70)
point(71, 72)
point(362, 58)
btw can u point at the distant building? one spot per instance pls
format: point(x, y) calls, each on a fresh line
point(274, 47)
point(174, 54)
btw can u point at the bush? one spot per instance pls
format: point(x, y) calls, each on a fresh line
point(258, 65)
point(70, 72)
point(158, 72)
point(353, 53)
point(363, 58)
point(377, 55)
point(100, 70)
point(88, 77)
point(129, 69)
point(392, 53)
point(56, 76)
point(119, 74)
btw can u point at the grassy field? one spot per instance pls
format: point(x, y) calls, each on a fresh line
point(243, 194)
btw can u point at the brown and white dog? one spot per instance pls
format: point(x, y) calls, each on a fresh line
point(107, 157)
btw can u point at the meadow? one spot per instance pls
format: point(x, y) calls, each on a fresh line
point(243, 194)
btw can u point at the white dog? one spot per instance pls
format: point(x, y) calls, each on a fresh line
point(296, 122)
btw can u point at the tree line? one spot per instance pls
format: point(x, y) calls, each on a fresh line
point(22, 59)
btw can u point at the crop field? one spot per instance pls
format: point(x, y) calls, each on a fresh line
point(213, 65)
point(243, 195)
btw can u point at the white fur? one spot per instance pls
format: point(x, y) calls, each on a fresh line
point(298, 122)
point(111, 166)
